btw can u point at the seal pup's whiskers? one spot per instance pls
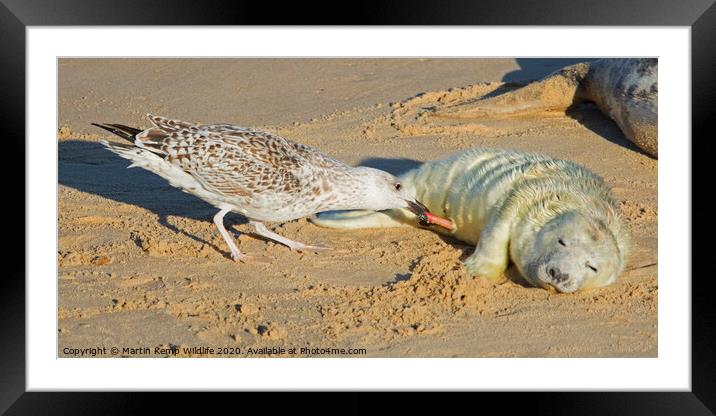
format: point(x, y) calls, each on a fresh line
point(258, 174)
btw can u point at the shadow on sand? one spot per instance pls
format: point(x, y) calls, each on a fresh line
point(532, 69)
point(394, 166)
point(589, 116)
point(89, 167)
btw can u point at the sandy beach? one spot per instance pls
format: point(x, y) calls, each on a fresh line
point(140, 264)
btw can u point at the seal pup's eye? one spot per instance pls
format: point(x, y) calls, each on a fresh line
point(398, 186)
point(562, 243)
point(594, 269)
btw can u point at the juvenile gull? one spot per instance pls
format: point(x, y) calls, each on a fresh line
point(258, 174)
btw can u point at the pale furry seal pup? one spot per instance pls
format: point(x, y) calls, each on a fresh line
point(625, 90)
point(554, 219)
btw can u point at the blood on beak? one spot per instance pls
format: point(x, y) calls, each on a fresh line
point(426, 218)
point(429, 219)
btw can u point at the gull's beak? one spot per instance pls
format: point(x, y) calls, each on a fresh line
point(425, 218)
point(416, 207)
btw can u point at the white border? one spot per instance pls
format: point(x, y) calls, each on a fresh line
point(670, 371)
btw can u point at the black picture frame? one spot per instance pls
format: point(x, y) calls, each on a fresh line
point(15, 15)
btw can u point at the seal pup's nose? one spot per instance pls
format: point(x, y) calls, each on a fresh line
point(556, 275)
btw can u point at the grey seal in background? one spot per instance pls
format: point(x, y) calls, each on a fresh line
point(625, 90)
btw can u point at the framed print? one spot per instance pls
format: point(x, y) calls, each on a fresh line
point(402, 206)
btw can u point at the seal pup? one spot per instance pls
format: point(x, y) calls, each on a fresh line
point(625, 90)
point(258, 174)
point(554, 219)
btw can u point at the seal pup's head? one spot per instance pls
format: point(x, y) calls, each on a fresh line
point(574, 252)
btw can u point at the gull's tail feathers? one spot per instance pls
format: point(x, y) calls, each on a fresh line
point(125, 132)
point(138, 156)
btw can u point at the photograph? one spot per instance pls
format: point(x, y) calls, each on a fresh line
point(356, 207)
point(473, 197)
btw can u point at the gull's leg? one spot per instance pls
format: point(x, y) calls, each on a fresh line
point(235, 253)
point(293, 245)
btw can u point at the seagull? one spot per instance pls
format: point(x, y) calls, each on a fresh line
point(258, 174)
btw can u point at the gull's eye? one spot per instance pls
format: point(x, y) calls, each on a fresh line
point(398, 186)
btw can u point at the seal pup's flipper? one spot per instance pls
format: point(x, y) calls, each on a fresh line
point(555, 92)
point(356, 219)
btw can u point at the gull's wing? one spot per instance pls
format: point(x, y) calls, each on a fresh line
point(236, 161)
